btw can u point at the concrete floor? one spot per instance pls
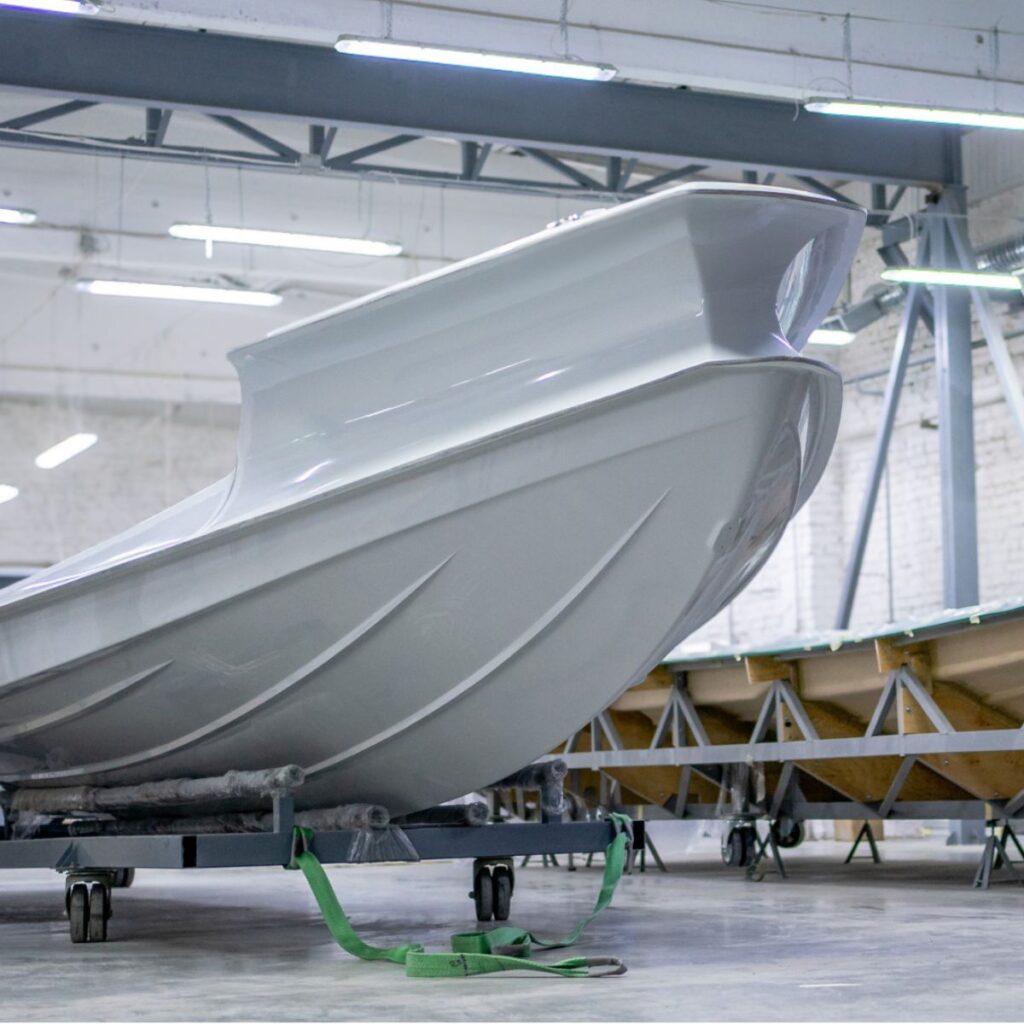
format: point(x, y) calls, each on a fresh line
point(907, 940)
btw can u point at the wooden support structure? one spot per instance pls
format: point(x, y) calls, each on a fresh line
point(951, 693)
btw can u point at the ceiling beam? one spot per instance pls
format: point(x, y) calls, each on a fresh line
point(39, 116)
point(99, 60)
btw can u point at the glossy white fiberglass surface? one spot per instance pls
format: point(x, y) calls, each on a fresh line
point(467, 513)
point(570, 315)
point(412, 640)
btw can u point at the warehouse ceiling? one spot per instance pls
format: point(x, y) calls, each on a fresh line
point(105, 210)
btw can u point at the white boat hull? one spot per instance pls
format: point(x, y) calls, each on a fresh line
point(420, 631)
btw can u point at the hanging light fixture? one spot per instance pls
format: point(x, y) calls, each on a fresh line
point(179, 292)
point(392, 49)
point(957, 278)
point(53, 6)
point(925, 115)
point(284, 240)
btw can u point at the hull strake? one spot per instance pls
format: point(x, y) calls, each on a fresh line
point(645, 475)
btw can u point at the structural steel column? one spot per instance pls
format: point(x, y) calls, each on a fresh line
point(956, 412)
point(893, 388)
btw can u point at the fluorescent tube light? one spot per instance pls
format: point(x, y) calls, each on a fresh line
point(960, 278)
point(53, 6)
point(64, 450)
point(284, 240)
point(179, 292)
point(11, 216)
point(929, 115)
point(366, 47)
point(7, 492)
point(830, 336)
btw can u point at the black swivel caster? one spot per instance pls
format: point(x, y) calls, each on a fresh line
point(493, 882)
point(502, 878)
point(483, 893)
point(788, 833)
point(87, 902)
point(99, 912)
point(78, 912)
point(738, 845)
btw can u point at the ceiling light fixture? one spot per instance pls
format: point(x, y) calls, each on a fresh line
point(927, 115)
point(362, 46)
point(7, 492)
point(959, 278)
point(64, 450)
point(830, 336)
point(284, 240)
point(179, 292)
point(53, 6)
point(9, 215)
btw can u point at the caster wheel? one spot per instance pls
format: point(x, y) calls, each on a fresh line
point(99, 912)
point(733, 848)
point(483, 894)
point(788, 833)
point(738, 846)
point(123, 878)
point(502, 893)
point(78, 912)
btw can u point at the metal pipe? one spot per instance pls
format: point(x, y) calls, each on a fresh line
point(232, 786)
point(548, 778)
point(475, 813)
point(1007, 255)
point(954, 372)
point(897, 373)
point(991, 329)
point(360, 817)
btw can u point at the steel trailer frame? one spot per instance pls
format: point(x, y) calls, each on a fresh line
point(94, 865)
point(268, 849)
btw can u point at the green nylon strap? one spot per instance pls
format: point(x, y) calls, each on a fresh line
point(502, 949)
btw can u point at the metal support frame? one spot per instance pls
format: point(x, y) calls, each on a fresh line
point(866, 833)
point(853, 810)
point(731, 763)
point(602, 730)
point(896, 786)
point(783, 791)
point(893, 389)
point(990, 328)
point(79, 62)
point(779, 698)
point(679, 714)
point(650, 847)
point(429, 842)
point(762, 847)
point(953, 362)
point(981, 741)
point(996, 855)
point(943, 243)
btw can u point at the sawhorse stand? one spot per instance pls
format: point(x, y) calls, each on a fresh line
point(996, 856)
point(756, 868)
point(865, 833)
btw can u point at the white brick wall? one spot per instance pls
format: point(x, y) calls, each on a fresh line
point(143, 462)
